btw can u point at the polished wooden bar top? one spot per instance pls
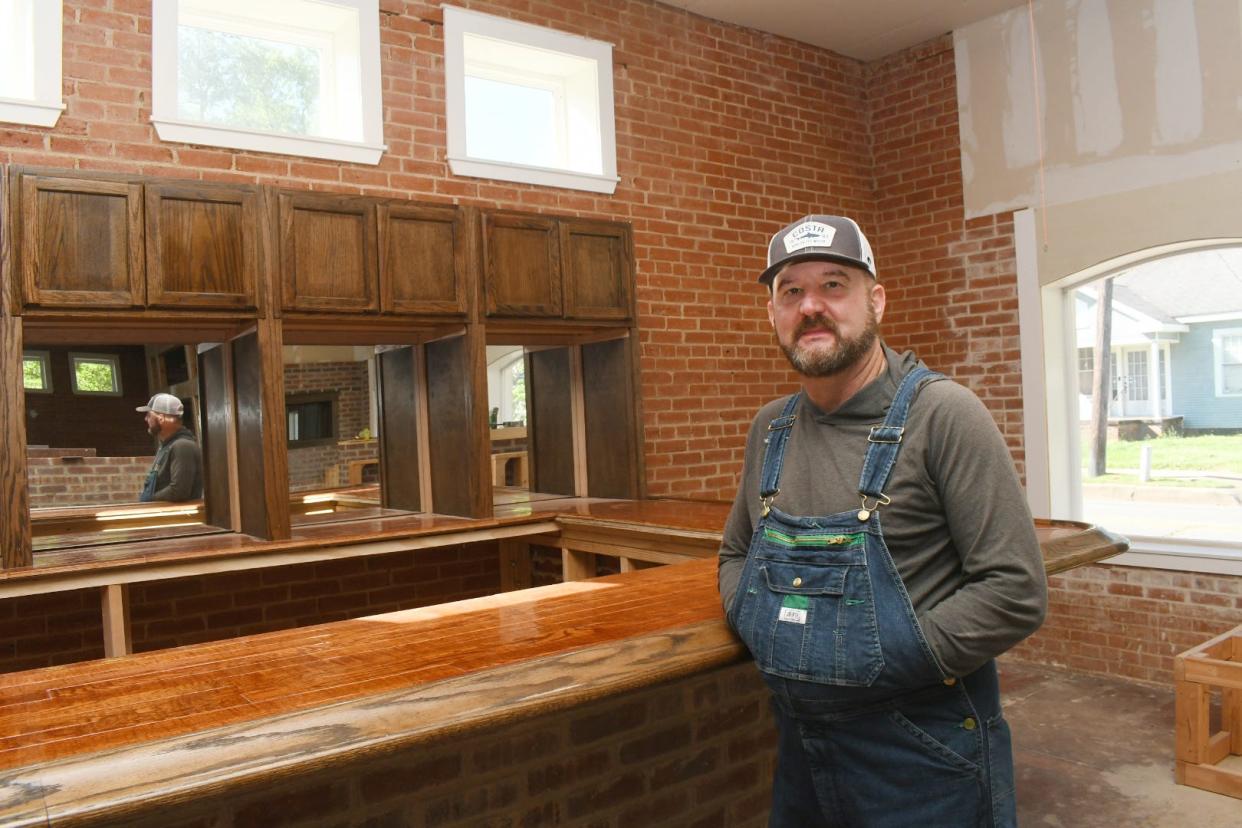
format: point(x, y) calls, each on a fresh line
point(96, 738)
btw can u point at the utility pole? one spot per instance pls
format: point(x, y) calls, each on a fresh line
point(1100, 386)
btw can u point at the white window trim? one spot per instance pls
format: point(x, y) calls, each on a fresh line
point(1218, 361)
point(113, 359)
point(458, 22)
point(1049, 354)
point(173, 129)
point(44, 357)
point(45, 107)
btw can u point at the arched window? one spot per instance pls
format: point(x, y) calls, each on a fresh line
point(1166, 323)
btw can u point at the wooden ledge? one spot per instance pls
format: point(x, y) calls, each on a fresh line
point(1067, 544)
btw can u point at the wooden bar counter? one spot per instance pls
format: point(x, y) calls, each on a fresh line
point(121, 741)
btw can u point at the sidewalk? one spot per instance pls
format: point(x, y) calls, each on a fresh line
point(1227, 493)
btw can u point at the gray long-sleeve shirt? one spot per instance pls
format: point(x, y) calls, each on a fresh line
point(958, 527)
point(179, 469)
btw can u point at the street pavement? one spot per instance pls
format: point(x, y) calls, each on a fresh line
point(1182, 512)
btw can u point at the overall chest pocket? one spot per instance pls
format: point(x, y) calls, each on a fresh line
point(816, 622)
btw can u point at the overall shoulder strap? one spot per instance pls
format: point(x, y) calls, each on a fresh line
point(774, 453)
point(884, 442)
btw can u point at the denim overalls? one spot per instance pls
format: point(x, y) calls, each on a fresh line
point(872, 732)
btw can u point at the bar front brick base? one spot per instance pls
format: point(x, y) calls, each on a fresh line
point(697, 752)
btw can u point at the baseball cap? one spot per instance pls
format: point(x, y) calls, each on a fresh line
point(163, 404)
point(828, 238)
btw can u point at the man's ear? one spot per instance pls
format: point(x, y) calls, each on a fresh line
point(878, 300)
point(771, 314)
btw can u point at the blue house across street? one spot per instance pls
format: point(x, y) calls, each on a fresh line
point(1175, 346)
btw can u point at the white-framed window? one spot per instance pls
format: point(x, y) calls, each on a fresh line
point(37, 372)
point(95, 374)
point(1227, 361)
point(30, 45)
point(1162, 531)
point(529, 104)
point(295, 77)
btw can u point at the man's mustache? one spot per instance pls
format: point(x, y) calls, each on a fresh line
point(815, 323)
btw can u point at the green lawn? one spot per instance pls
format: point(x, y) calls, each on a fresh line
point(1211, 453)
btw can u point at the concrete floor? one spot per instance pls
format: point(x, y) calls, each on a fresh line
point(1093, 751)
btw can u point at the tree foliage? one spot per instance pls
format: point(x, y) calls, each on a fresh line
point(231, 80)
point(32, 374)
point(95, 376)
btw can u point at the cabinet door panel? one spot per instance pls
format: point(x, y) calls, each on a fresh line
point(595, 258)
point(202, 245)
point(81, 242)
point(523, 265)
point(328, 253)
point(422, 258)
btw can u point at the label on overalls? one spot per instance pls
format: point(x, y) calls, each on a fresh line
point(793, 609)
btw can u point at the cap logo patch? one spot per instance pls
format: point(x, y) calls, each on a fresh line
point(810, 234)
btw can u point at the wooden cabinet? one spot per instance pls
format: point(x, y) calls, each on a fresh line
point(423, 254)
point(81, 242)
point(521, 265)
point(595, 262)
point(328, 256)
point(547, 267)
point(110, 242)
point(351, 254)
point(202, 245)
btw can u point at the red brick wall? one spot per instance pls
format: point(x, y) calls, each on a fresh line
point(43, 630)
point(83, 479)
point(723, 134)
point(227, 605)
point(951, 283)
point(1131, 622)
point(693, 753)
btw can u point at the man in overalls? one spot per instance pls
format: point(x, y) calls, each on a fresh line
point(176, 473)
point(878, 557)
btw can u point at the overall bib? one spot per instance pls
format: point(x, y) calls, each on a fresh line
point(872, 731)
point(149, 483)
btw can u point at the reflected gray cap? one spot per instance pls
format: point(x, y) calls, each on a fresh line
point(163, 404)
point(826, 238)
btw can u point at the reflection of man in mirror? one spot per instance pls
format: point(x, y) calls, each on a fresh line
point(177, 472)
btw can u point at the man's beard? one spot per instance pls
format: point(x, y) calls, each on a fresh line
point(844, 354)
